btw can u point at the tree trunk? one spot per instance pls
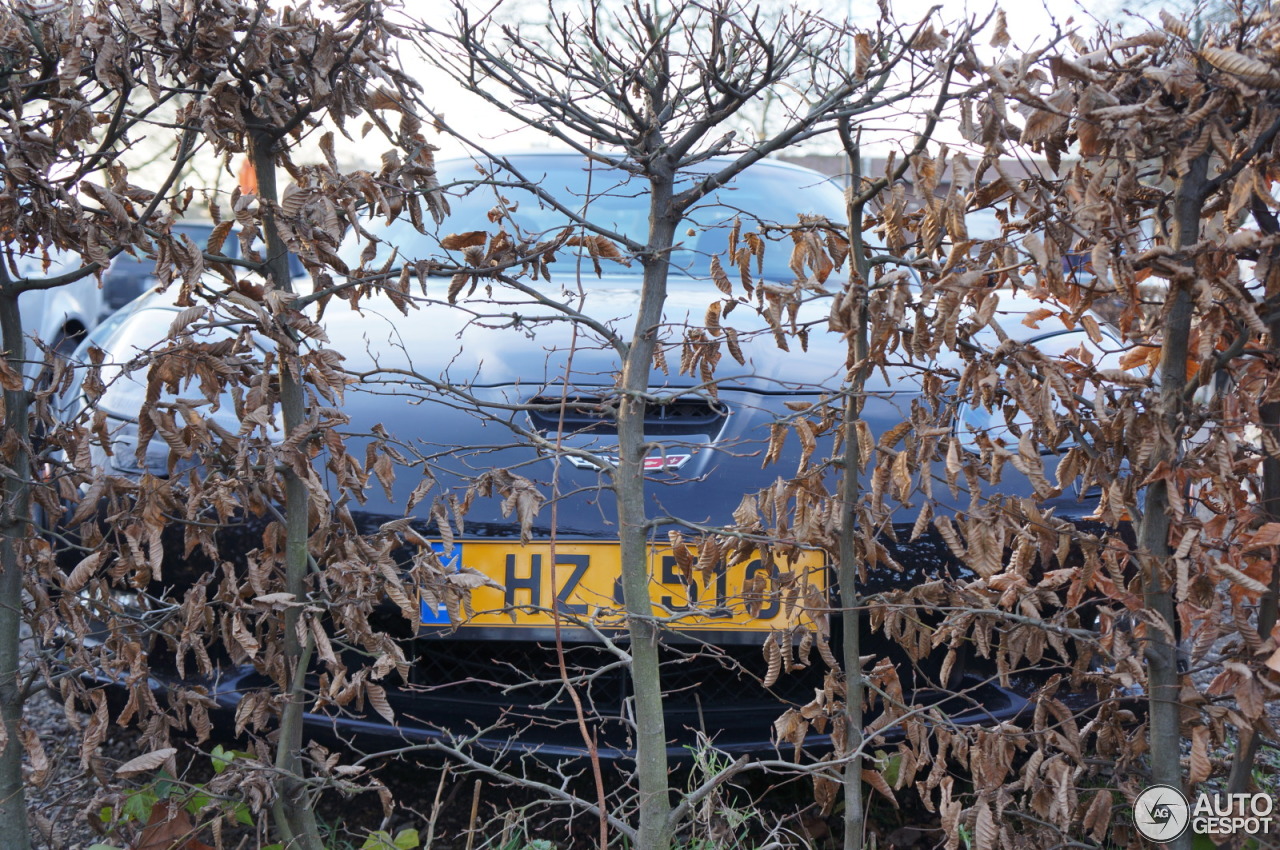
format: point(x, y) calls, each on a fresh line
point(1153, 529)
point(15, 528)
point(302, 829)
point(651, 736)
point(850, 492)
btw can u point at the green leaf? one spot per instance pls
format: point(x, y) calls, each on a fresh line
point(197, 802)
point(890, 768)
point(380, 840)
point(272, 847)
point(244, 815)
point(406, 839)
point(103, 847)
point(107, 814)
point(138, 805)
point(164, 785)
point(221, 758)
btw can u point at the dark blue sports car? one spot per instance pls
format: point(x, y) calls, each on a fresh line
point(479, 431)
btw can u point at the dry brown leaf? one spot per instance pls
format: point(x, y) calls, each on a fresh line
point(169, 828)
point(985, 833)
point(378, 699)
point(36, 757)
point(146, 762)
point(1252, 71)
point(1090, 325)
point(862, 53)
point(712, 318)
point(891, 437)
point(1150, 38)
point(244, 637)
point(876, 780)
point(1097, 818)
point(735, 349)
point(1173, 24)
point(682, 553)
point(927, 39)
point(1035, 317)
point(866, 444)
point(1267, 535)
point(455, 286)
point(83, 572)
point(1140, 356)
point(777, 436)
point(1201, 767)
point(458, 241)
point(1000, 37)
point(773, 660)
point(1237, 577)
point(825, 793)
point(791, 728)
point(807, 433)
point(720, 277)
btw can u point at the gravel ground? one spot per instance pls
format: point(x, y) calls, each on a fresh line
point(63, 809)
point(1267, 760)
point(58, 806)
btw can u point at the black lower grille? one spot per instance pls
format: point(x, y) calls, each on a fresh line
point(523, 673)
point(682, 416)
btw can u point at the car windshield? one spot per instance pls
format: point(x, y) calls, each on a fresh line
point(767, 193)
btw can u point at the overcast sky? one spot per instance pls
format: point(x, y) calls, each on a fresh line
point(1030, 24)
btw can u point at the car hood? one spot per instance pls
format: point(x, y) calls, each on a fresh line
point(468, 374)
point(479, 344)
point(450, 385)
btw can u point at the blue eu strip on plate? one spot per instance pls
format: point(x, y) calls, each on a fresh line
point(438, 615)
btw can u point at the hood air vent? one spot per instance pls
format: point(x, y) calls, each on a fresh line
point(684, 416)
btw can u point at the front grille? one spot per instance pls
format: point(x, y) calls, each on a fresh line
point(510, 691)
point(524, 673)
point(682, 416)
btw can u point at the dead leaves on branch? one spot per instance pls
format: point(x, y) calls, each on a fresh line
point(327, 73)
point(1087, 430)
point(211, 397)
point(292, 71)
point(1252, 71)
point(1021, 555)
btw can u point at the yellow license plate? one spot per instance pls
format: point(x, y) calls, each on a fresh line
point(583, 584)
